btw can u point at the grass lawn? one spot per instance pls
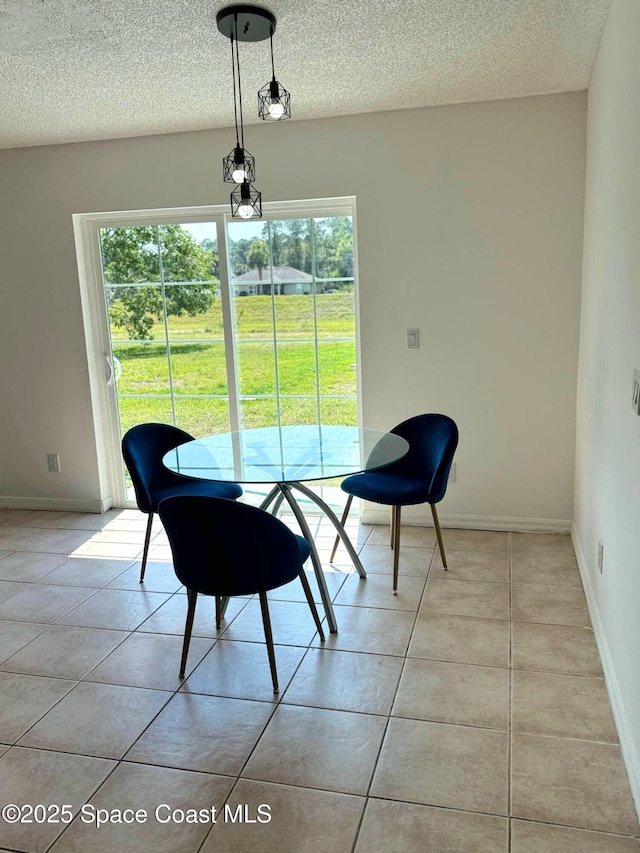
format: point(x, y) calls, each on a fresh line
point(196, 356)
point(253, 317)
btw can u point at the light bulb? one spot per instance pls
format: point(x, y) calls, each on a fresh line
point(276, 110)
point(245, 211)
point(239, 173)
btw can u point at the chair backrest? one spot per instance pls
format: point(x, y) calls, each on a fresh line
point(143, 447)
point(433, 439)
point(221, 547)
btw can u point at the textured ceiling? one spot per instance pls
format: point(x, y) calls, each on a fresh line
point(73, 70)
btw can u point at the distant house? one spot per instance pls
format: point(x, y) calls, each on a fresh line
point(284, 279)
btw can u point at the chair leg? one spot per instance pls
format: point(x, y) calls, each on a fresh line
point(347, 507)
point(436, 524)
point(145, 552)
point(392, 527)
point(397, 510)
point(312, 604)
point(218, 612)
point(192, 597)
point(266, 621)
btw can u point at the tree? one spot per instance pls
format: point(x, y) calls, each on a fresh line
point(258, 258)
point(334, 247)
point(211, 246)
point(135, 255)
point(238, 250)
point(274, 232)
point(298, 255)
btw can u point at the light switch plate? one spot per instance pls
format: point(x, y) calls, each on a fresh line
point(635, 397)
point(413, 338)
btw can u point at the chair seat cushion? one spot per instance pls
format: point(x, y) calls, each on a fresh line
point(388, 489)
point(198, 487)
point(305, 550)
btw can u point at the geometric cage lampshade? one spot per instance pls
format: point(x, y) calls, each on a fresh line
point(274, 102)
point(238, 166)
point(246, 202)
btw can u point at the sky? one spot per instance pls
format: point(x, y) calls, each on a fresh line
point(237, 230)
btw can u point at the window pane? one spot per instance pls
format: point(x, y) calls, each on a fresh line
point(337, 362)
point(336, 313)
point(141, 368)
point(334, 246)
point(289, 243)
point(248, 251)
point(258, 413)
point(297, 368)
point(135, 313)
point(253, 317)
point(199, 369)
point(298, 411)
point(202, 417)
point(295, 316)
point(189, 252)
point(144, 410)
point(194, 312)
point(130, 255)
point(336, 411)
point(256, 369)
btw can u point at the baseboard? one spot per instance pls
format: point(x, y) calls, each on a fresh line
point(472, 522)
point(56, 504)
point(627, 746)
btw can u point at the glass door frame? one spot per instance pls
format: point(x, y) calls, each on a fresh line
point(100, 363)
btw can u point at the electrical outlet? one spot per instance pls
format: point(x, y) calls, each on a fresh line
point(452, 473)
point(53, 461)
point(600, 555)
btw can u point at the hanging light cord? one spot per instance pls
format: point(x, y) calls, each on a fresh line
point(239, 84)
point(235, 104)
point(273, 68)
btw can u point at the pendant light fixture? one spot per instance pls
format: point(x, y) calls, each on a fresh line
point(247, 23)
point(274, 102)
point(246, 202)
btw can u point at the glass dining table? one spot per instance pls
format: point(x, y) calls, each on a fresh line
point(288, 457)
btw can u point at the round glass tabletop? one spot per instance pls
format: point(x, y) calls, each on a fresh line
point(286, 454)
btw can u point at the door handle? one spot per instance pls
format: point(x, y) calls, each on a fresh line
point(114, 368)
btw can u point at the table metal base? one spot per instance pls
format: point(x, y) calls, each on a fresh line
point(283, 492)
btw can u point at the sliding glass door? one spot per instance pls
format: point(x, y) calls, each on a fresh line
point(213, 324)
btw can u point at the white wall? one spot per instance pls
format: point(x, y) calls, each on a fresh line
point(607, 497)
point(470, 228)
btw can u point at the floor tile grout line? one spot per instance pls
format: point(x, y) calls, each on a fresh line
point(93, 595)
point(35, 723)
point(604, 832)
point(88, 799)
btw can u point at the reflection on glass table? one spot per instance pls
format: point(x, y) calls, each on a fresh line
point(285, 457)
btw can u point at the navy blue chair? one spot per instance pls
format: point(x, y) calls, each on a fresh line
point(143, 447)
point(223, 548)
point(419, 477)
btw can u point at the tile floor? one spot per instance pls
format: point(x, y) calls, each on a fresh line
point(468, 713)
